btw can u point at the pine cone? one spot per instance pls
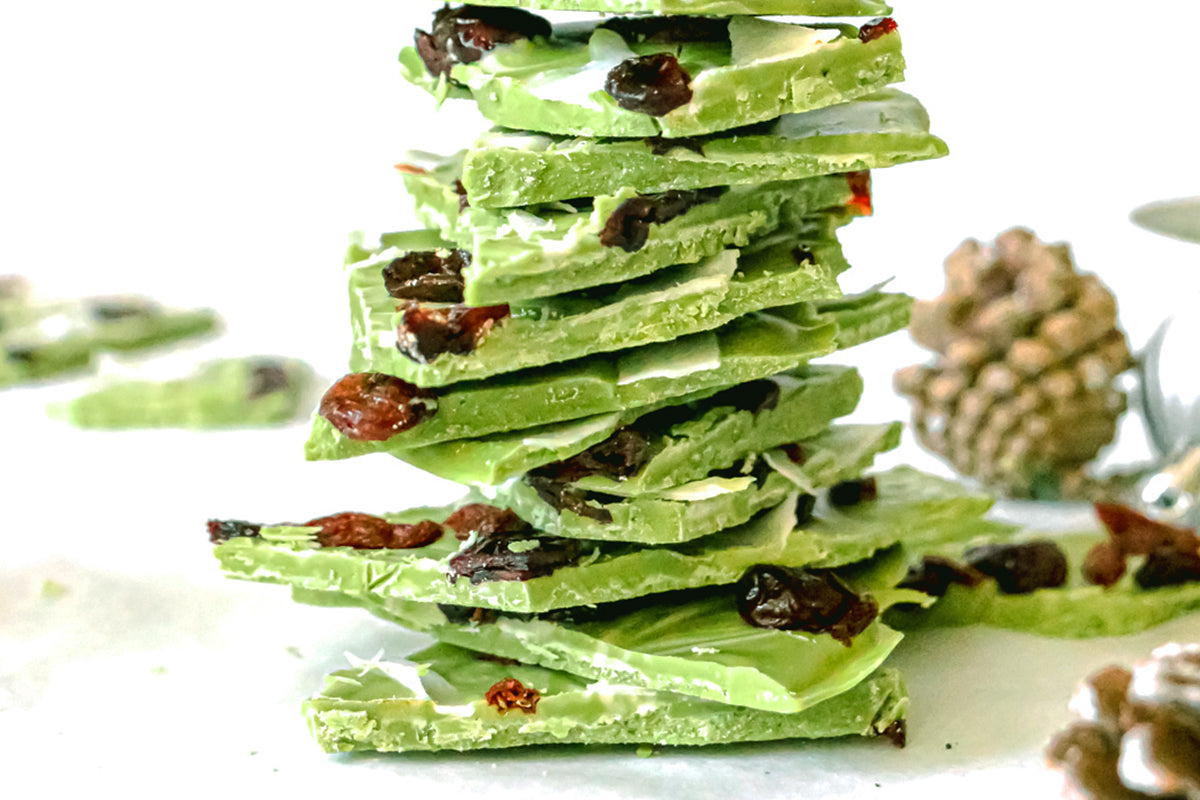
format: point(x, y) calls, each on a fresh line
point(1021, 394)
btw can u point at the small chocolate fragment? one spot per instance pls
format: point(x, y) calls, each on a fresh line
point(673, 29)
point(432, 276)
point(654, 84)
point(491, 557)
point(367, 532)
point(484, 519)
point(425, 333)
point(851, 493)
point(628, 227)
point(222, 530)
point(876, 29)
point(373, 407)
point(463, 35)
point(795, 599)
point(933, 576)
point(510, 693)
point(660, 145)
point(1168, 566)
point(267, 377)
point(1021, 568)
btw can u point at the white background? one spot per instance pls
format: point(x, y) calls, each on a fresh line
point(217, 153)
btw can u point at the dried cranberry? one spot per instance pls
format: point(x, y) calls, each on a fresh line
point(485, 519)
point(1136, 534)
point(1021, 568)
point(1168, 566)
point(860, 187)
point(222, 530)
point(810, 601)
point(654, 84)
point(628, 226)
point(365, 532)
point(562, 496)
point(669, 29)
point(267, 377)
point(795, 454)
point(510, 693)
point(461, 191)
point(490, 557)
point(372, 407)
point(425, 333)
point(433, 276)
point(463, 35)
point(933, 575)
point(660, 146)
point(850, 493)
point(619, 456)
point(876, 29)
point(1104, 564)
point(802, 256)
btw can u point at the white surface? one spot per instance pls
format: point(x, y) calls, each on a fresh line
point(217, 154)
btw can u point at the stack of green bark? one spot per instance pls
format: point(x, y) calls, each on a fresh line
point(605, 331)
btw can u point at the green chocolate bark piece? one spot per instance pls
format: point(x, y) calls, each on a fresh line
point(912, 508)
point(761, 70)
point(224, 393)
point(436, 701)
point(42, 339)
point(543, 250)
point(662, 306)
point(809, 399)
point(508, 168)
point(707, 505)
point(787, 8)
point(694, 645)
point(1076, 610)
point(752, 347)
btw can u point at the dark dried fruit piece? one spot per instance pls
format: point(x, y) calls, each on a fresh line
point(463, 35)
point(1168, 566)
point(654, 84)
point(811, 601)
point(1138, 535)
point(897, 732)
point(802, 256)
point(618, 457)
point(373, 407)
point(660, 145)
point(461, 191)
point(669, 29)
point(432, 276)
point(1104, 564)
point(466, 615)
point(795, 454)
point(563, 497)
point(754, 396)
point(491, 557)
point(267, 377)
point(222, 530)
point(425, 333)
point(877, 28)
point(860, 186)
point(510, 693)
point(628, 226)
point(484, 519)
point(805, 505)
point(1021, 568)
point(850, 493)
point(367, 532)
point(934, 575)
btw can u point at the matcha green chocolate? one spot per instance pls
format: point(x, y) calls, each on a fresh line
point(758, 70)
point(751, 347)
point(510, 168)
point(662, 306)
point(1076, 610)
point(225, 393)
point(39, 340)
point(437, 701)
point(698, 646)
point(912, 508)
point(684, 440)
point(787, 8)
point(700, 507)
point(552, 249)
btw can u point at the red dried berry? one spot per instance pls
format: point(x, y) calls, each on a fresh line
point(510, 693)
point(813, 601)
point(795, 454)
point(373, 407)
point(484, 519)
point(1104, 564)
point(860, 187)
point(367, 532)
point(463, 35)
point(628, 226)
point(876, 29)
point(222, 530)
point(934, 575)
point(425, 333)
point(491, 558)
point(1138, 535)
point(434, 276)
point(418, 534)
point(654, 84)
